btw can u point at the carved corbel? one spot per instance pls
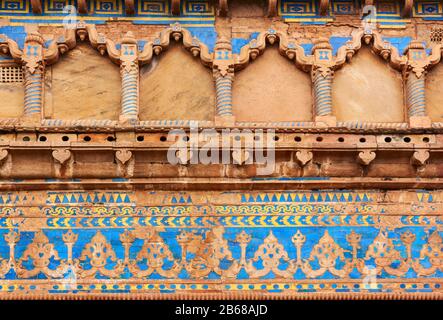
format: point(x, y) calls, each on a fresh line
point(407, 8)
point(82, 6)
point(365, 157)
point(420, 157)
point(184, 155)
point(222, 8)
point(123, 156)
point(61, 155)
point(175, 7)
point(272, 8)
point(303, 156)
point(82, 31)
point(324, 6)
point(129, 6)
point(241, 156)
point(36, 6)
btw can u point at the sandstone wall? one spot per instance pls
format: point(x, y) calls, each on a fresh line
point(367, 89)
point(83, 85)
point(11, 100)
point(272, 89)
point(176, 86)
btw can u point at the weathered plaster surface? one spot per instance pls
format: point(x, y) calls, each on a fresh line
point(176, 86)
point(368, 90)
point(280, 93)
point(85, 85)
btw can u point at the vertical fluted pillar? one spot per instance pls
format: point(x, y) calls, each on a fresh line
point(129, 70)
point(223, 72)
point(415, 77)
point(33, 69)
point(321, 76)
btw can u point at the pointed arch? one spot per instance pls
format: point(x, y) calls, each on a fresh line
point(276, 86)
point(364, 90)
point(167, 85)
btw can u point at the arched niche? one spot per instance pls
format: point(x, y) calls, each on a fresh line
point(11, 91)
point(434, 97)
point(272, 88)
point(83, 85)
point(176, 86)
point(368, 90)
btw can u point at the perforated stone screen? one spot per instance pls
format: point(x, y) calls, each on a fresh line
point(11, 74)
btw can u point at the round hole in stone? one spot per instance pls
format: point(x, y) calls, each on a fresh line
point(111, 138)
point(276, 138)
point(26, 138)
point(42, 138)
point(362, 140)
point(297, 139)
point(319, 139)
point(388, 139)
point(87, 138)
point(65, 138)
point(407, 139)
point(162, 138)
point(426, 139)
point(140, 138)
point(341, 139)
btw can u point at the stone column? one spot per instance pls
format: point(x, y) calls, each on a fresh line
point(321, 75)
point(33, 69)
point(414, 76)
point(223, 72)
point(129, 71)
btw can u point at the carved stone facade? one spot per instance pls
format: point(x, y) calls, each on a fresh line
point(92, 207)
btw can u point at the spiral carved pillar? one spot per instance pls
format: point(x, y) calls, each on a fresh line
point(415, 75)
point(129, 70)
point(33, 68)
point(322, 92)
point(415, 95)
point(223, 88)
point(223, 72)
point(322, 75)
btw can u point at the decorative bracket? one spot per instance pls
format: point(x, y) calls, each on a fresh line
point(123, 156)
point(420, 157)
point(365, 157)
point(303, 157)
point(240, 156)
point(61, 155)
